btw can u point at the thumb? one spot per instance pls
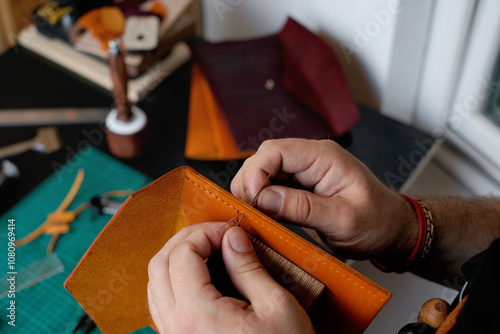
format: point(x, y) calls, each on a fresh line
point(244, 268)
point(298, 206)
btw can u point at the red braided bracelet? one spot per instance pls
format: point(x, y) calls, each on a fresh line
point(424, 241)
point(429, 231)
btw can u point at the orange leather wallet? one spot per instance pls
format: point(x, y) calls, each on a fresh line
point(110, 282)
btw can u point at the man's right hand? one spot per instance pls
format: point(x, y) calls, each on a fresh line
point(350, 208)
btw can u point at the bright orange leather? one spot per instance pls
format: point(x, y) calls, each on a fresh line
point(110, 281)
point(208, 137)
point(200, 141)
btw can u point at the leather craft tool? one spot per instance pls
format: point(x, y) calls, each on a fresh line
point(51, 116)
point(47, 140)
point(33, 273)
point(105, 205)
point(85, 325)
point(126, 124)
point(7, 171)
point(58, 221)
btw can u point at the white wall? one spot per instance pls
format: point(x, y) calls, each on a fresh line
point(360, 31)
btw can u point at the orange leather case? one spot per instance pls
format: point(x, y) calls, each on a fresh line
point(111, 279)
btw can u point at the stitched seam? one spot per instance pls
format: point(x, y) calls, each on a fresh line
point(321, 261)
point(214, 195)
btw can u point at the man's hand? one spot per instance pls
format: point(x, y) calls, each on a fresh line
point(182, 300)
point(347, 204)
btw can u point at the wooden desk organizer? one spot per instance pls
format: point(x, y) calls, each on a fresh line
point(111, 279)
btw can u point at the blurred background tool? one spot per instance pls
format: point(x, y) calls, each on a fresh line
point(51, 116)
point(7, 171)
point(126, 124)
point(47, 140)
point(9, 179)
point(105, 204)
point(85, 325)
point(32, 274)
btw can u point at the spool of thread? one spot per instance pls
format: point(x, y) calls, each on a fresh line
point(126, 124)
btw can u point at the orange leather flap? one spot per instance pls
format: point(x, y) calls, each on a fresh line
point(111, 279)
point(208, 137)
point(200, 140)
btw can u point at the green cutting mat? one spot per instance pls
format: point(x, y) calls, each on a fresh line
point(47, 307)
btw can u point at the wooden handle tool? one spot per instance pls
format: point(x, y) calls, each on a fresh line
point(47, 140)
point(126, 124)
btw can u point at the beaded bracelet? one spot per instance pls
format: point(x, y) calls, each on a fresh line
point(424, 241)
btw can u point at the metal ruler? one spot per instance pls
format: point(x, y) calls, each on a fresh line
point(51, 116)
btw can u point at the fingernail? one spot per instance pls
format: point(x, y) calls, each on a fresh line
point(239, 241)
point(248, 196)
point(271, 202)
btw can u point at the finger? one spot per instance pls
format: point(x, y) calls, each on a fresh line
point(180, 236)
point(308, 160)
point(342, 221)
point(188, 272)
point(160, 295)
point(247, 181)
point(244, 268)
point(153, 309)
point(266, 161)
point(159, 286)
point(302, 207)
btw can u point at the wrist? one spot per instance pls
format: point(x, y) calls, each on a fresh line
point(409, 231)
point(414, 237)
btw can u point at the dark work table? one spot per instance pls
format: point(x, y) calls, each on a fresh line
point(390, 149)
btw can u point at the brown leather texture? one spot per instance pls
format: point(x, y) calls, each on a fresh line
point(111, 279)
